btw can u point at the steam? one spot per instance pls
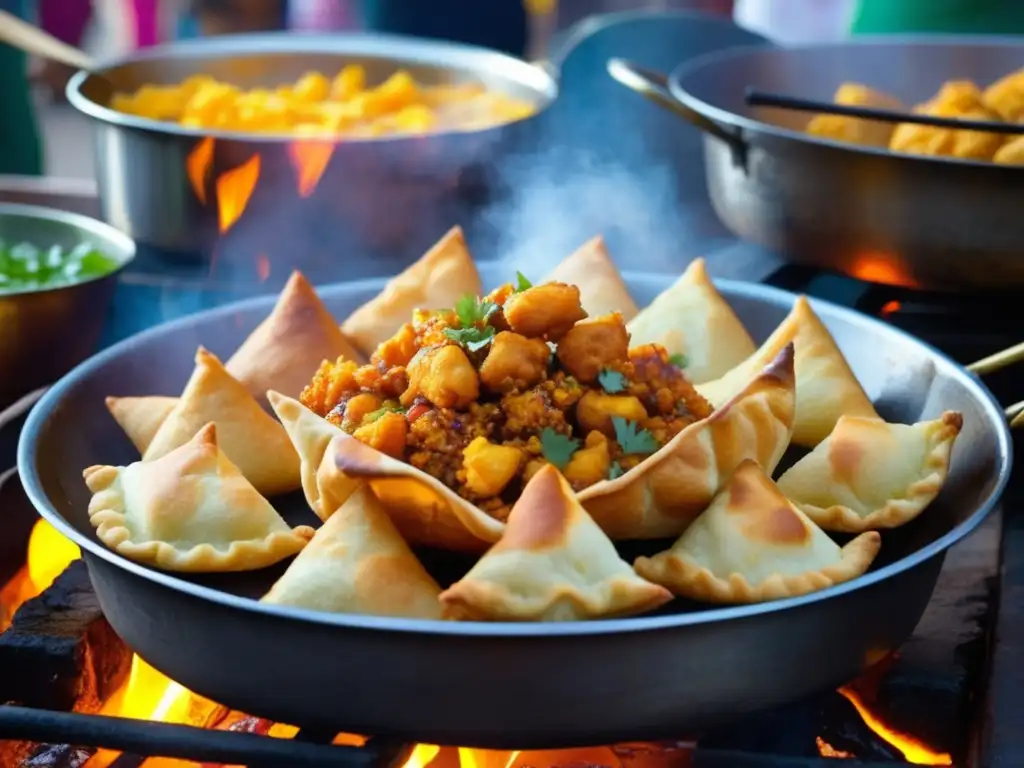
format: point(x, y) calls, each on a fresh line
point(565, 197)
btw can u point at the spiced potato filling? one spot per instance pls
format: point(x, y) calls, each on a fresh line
point(483, 395)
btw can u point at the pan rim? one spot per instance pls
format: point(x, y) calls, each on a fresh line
point(397, 48)
point(744, 123)
point(41, 412)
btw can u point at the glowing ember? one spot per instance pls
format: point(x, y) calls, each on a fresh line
point(880, 268)
point(14, 593)
point(309, 159)
point(234, 188)
point(912, 749)
point(197, 166)
point(827, 750)
point(262, 268)
point(891, 308)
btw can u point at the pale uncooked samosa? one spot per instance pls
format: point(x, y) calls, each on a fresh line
point(189, 510)
point(869, 474)
point(690, 318)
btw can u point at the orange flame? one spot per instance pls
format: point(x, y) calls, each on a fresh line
point(234, 188)
point(891, 308)
point(881, 268)
point(309, 159)
point(827, 750)
point(913, 750)
point(197, 166)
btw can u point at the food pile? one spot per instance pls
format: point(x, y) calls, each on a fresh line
point(532, 427)
point(344, 106)
point(1003, 101)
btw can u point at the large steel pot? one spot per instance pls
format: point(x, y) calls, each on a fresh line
point(931, 222)
point(142, 164)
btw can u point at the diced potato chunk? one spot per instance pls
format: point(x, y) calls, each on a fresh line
point(359, 406)
point(443, 375)
point(514, 361)
point(489, 467)
point(595, 410)
point(594, 344)
point(590, 463)
point(544, 311)
point(399, 349)
point(386, 434)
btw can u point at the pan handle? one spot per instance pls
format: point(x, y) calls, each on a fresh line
point(654, 85)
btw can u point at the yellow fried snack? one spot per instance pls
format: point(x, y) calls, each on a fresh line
point(316, 105)
point(1011, 153)
point(1006, 96)
point(868, 133)
point(956, 99)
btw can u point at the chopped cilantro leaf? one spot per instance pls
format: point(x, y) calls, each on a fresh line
point(611, 381)
point(372, 416)
point(556, 447)
point(472, 310)
point(471, 338)
point(614, 471)
point(631, 439)
point(522, 283)
point(678, 360)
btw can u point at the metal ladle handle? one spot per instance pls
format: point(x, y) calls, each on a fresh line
point(654, 86)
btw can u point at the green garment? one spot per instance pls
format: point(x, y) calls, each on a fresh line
point(995, 17)
point(20, 148)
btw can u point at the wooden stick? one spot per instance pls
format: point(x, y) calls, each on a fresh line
point(35, 41)
point(999, 360)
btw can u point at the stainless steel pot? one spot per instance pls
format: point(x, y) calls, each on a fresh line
point(46, 333)
point(142, 164)
point(938, 223)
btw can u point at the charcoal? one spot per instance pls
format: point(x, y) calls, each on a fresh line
point(19, 516)
point(60, 653)
point(58, 756)
point(13, 754)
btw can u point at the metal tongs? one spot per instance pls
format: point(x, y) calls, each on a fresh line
point(757, 98)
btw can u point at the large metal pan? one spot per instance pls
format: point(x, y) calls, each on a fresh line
point(511, 685)
point(141, 164)
point(940, 223)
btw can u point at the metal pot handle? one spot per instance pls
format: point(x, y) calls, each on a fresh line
point(655, 86)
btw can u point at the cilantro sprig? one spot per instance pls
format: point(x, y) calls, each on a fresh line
point(611, 381)
point(631, 438)
point(679, 360)
point(556, 447)
point(522, 283)
point(472, 338)
point(615, 470)
point(473, 313)
point(372, 416)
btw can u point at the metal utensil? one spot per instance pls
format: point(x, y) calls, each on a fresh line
point(506, 685)
point(932, 222)
point(143, 166)
point(758, 98)
point(46, 333)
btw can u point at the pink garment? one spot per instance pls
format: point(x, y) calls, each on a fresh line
point(145, 15)
point(65, 19)
point(321, 15)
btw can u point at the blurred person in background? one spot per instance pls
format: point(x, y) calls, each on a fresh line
point(21, 150)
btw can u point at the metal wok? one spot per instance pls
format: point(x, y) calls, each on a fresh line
point(510, 685)
point(938, 223)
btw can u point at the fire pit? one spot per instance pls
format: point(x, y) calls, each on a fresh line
point(923, 706)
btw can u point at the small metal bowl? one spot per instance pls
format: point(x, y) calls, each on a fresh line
point(46, 333)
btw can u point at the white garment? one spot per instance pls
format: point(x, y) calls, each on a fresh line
point(794, 22)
